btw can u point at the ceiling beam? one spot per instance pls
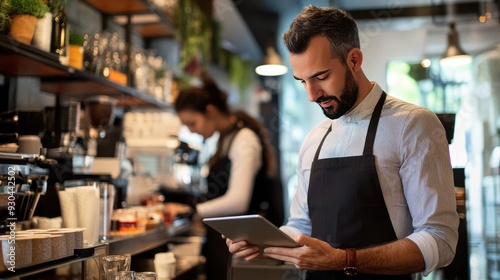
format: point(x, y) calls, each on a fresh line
point(465, 8)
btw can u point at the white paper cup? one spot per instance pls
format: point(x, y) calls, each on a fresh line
point(87, 205)
point(165, 265)
point(49, 223)
point(67, 199)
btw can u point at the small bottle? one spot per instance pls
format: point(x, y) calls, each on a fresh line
point(60, 34)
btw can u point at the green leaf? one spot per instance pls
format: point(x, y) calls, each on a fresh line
point(30, 7)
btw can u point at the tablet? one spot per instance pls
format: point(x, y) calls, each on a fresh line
point(255, 229)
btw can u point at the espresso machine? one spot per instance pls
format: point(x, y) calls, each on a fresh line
point(23, 180)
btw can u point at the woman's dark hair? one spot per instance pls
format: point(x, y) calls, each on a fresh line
point(335, 24)
point(196, 99)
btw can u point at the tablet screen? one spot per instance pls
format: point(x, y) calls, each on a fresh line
point(255, 229)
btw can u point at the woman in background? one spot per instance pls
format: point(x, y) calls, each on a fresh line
point(242, 176)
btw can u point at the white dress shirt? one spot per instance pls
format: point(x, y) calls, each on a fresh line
point(413, 166)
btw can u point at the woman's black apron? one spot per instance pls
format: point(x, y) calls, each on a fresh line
point(215, 249)
point(346, 206)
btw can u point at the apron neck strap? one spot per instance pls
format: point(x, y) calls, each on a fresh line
point(316, 156)
point(372, 127)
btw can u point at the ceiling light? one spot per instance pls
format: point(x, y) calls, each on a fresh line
point(426, 63)
point(454, 55)
point(272, 65)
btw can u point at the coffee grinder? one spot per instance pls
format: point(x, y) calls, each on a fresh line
point(105, 142)
point(100, 115)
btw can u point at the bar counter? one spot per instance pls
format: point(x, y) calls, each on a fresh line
point(135, 244)
point(144, 241)
point(145, 244)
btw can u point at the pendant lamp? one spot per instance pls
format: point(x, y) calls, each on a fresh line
point(271, 65)
point(454, 55)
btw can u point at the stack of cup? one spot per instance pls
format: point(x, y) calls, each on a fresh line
point(90, 207)
point(165, 265)
point(80, 208)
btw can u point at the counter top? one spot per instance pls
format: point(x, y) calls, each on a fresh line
point(141, 242)
point(179, 235)
point(123, 244)
point(81, 255)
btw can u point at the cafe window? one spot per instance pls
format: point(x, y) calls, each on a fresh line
point(441, 90)
point(427, 84)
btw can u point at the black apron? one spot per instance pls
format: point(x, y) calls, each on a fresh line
point(346, 206)
point(215, 249)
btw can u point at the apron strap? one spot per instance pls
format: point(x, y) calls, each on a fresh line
point(372, 127)
point(316, 156)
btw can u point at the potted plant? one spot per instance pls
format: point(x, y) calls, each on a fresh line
point(4, 15)
point(75, 49)
point(24, 15)
point(43, 30)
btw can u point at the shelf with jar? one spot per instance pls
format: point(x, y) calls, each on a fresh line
point(60, 77)
point(18, 59)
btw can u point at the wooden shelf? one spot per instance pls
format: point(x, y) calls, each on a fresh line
point(17, 59)
point(145, 18)
point(119, 7)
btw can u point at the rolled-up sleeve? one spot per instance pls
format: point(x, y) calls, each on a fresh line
point(427, 179)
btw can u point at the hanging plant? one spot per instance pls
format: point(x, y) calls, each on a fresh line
point(194, 31)
point(240, 73)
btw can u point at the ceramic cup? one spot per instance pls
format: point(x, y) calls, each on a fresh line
point(29, 144)
point(16, 251)
point(58, 243)
point(41, 246)
point(165, 265)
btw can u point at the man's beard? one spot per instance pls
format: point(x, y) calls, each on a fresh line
point(347, 99)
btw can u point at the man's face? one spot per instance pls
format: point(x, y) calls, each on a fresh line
point(327, 81)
